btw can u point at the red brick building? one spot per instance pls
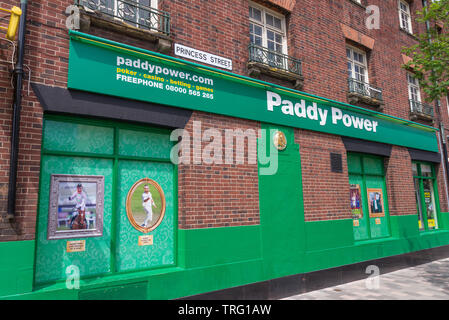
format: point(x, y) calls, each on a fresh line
point(225, 224)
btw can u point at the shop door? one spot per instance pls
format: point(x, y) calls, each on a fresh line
point(369, 203)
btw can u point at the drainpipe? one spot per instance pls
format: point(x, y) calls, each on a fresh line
point(17, 102)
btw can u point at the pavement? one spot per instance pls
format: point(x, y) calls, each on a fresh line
point(428, 281)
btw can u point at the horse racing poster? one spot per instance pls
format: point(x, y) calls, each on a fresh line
point(76, 206)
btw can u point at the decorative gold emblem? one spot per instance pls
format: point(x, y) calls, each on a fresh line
point(279, 140)
point(145, 205)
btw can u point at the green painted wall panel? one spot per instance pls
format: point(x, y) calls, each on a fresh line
point(379, 226)
point(325, 235)
point(199, 280)
point(129, 255)
point(51, 256)
point(282, 210)
point(173, 283)
point(361, 231)
point(16, 267)
point(216, 246)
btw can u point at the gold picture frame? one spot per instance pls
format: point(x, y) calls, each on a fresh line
point(137, 212)
point(376, 205)
point(280, 140)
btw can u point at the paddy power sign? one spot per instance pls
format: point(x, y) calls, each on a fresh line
point(106, 67)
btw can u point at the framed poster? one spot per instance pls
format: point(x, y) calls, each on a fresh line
point(145, 205)
point(375, 203)
point(355, 197)
point(76, 206)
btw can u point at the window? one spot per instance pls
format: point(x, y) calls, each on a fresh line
point(267, 30)
point(138, 13)
point(405, 20)
point(357, 65)
point(426, 196)
point(413, 88)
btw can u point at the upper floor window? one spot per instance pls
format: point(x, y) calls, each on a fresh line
point(405, 20)
point(267, 29)
point(137, 13)
point(357, 64)
point(413, 88)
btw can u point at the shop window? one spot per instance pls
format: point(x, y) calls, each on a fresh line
point(427, 203)
point(368, 196)
point(405, 20)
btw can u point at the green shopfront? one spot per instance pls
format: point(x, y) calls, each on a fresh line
point(123, 251)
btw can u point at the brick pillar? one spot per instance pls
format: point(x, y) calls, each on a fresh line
point(399, 180)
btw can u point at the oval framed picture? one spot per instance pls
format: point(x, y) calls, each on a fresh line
point(145, 205)
point(280, 141)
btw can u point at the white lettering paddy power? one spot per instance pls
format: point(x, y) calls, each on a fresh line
point(312, 112)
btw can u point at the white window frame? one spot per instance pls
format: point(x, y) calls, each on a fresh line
point(353, 62)
point(408, 29)
point(415, 86)
point(266, 27)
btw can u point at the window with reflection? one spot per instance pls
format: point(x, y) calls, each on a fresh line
point(426, 195)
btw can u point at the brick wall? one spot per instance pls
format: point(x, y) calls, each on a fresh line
point(325, 193)
point(399, 181)
point(219, 195)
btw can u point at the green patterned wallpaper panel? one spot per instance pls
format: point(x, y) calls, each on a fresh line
point(129, 255)
point(51, 256)
point(75, 137)
point(144, 144)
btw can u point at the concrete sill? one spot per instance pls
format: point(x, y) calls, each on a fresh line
point(257, 68)
point(162, 41)
point(356, 98)
point(421, 116)
point(408, 33)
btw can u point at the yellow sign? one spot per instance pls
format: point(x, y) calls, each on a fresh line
point(356, 223)
point(431, 223)
point(146, 240)
point(420, 224)
point(14, 19)
point(378, 221)
point(76, 246)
